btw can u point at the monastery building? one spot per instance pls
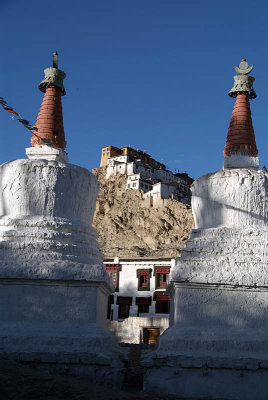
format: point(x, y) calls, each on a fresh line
point(146, 174)
point(138, 310)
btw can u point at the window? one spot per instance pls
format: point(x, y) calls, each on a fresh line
point(143, 304)
point(124, 304)
point(144, 276)
point(134, 185)
point(144, 281)
point(150, 335)
point(128, 185)
point(113, 272)
point(162, 307)
point(161, 280)
point(109, 307)
point(123, 310)
point(143, 309)
point(142, 185)
point(161, 275)
point(162, 303)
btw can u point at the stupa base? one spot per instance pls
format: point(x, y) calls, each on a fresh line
point(59, 325)
point(217, 346)
point(207, 377)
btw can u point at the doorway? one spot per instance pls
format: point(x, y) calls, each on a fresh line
point(150, 335)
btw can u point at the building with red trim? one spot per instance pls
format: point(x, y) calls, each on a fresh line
point(144, 173)
point(138, 311)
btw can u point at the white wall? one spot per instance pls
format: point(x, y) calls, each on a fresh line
point(131, 329)
point(116, 168)
point(123, 159)
point(235, 197)
point(121, 165)
point(135, 182)
point(163, 191)
point(53, 302)
point(128, 285)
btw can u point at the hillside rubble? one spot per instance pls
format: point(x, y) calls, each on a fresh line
point(129, 227)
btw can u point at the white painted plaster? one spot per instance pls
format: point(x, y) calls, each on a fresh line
point(122, 165)
point(165, 191)
point(219, 292)
point(156, 183)
point(231, 198)
point(128, 287)
point(241, 161)
point(130, 330)
point(206, 381)
point(46, 210)
point(54, 286)
point(46, 152)
point(136, 182)
point(224, 255)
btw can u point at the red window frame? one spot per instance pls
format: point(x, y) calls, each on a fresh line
point(143, 304)
point(144, 276)
point(161, 277)
point(113, 271)
point(162, 303)
point(109, 306)
point(124, 304)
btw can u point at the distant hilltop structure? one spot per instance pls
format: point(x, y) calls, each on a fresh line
point(114, 152)
point(146, 174)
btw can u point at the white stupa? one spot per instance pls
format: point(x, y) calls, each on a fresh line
point(53, 284)
point(217, 343)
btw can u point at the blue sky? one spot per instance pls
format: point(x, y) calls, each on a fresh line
point(150, 73)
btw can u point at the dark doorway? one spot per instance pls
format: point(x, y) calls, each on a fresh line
point(150, 335)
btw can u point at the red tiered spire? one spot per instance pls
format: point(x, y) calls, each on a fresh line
point(50, 120)
point(241, 137)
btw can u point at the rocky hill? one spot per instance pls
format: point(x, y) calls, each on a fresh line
point(129, 226)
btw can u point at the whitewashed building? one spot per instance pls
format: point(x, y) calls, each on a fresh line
point(138, 311)
point(151, 178)
point(135, 181)
point(123, 165)
point(173, 190)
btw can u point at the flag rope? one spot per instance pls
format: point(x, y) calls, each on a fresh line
point(25, 123)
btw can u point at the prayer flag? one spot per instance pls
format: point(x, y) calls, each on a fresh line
point(24, 121)
point(7, 108)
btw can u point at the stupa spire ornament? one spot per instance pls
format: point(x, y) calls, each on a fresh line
point(240, 149)
point(53, 76)
point(55, 60)
point(242, 82)
point(50, 120)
